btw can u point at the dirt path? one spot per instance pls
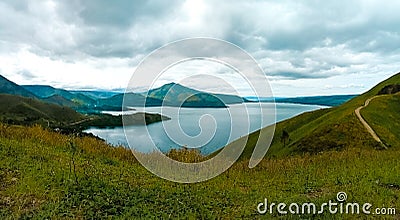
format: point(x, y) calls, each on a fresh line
point(366, 125)
point(81, 121)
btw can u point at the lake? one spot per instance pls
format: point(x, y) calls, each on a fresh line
point(207, 129)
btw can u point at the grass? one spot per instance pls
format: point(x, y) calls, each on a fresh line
point(49, 175)
point(383, 116)
point(28, 111)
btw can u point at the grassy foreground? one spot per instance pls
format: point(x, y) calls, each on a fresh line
point(44, 174)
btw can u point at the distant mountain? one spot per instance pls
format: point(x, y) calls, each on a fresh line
point(332, 100)
point(175, 94)
point(133, 99)
point(172, 94)
point(96, 94)
point(230, 99)
point(60, 100)
point(44, 92)
point(8, 87)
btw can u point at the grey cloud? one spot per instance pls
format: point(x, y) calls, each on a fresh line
point(26, 74)
point(295, 75)
point(290, 39)
point(124, 13)
point(304, 25)
point(70, 28)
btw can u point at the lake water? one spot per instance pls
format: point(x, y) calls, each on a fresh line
point(207, 129)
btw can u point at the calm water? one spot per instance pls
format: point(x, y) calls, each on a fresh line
point(207, 129)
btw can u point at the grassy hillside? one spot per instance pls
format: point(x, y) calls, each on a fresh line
point(336, 128)
point(8, 87)
point(27, 111)
point(22, 110)
point(44, 92)
point(60, 100)
point(46, 175)
point(383, 113)
point(96, 94)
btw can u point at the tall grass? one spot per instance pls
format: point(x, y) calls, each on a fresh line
point(37, 180)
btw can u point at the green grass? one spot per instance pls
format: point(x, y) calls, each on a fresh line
point(383, 116)
point(28, 111)
point(38, 180)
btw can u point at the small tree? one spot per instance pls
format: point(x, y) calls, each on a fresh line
point(285, 137)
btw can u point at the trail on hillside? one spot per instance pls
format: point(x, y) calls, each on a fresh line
point(81, 121)
point(366, 125)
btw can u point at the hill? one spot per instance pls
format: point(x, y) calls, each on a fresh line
point(133, 99)
point(175, 94)
point(382, 114)
point(334, 100)
point(8, 87)
point(60, 100)
point(172, 94)
point(337, 128)
point(28, 111)
point(95, 94)
point(44, 92)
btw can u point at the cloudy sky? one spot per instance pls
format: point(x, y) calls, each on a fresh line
point(304, 48)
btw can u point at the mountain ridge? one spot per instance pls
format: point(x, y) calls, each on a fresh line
point(9, 87)
point(27, 111)
point(95, 101)
point(175, 94)
point(46, 91)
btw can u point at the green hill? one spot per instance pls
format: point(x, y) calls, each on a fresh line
point(8, 87)
point(22, 110)
point(60, 100)
point(44, 92)
point(383, 116)
point(337, 128)
point(96, 94)
point(133, 99)
point(174, 94)
point(27, 111)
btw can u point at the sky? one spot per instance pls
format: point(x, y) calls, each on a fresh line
point(305, 48)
